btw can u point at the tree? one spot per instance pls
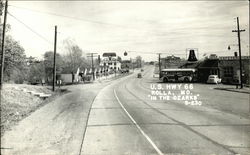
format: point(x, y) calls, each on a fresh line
point(15, 67)
point(14, 61)
point(36, 72)
point(73, 58)
point(119, 59)
point(1, 7)
point(138, 61)
point(49, 62)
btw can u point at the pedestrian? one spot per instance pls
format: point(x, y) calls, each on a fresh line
point(60, 83)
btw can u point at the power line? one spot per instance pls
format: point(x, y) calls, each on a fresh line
point(30, 29)
point(90, 21)
point(76, 18)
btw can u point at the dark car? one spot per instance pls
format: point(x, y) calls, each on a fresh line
point(139, 75)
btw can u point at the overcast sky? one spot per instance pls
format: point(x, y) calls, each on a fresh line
point(142, 26)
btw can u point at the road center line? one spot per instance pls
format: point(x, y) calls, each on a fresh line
point(143, 133)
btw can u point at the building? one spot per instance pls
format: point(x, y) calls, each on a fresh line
point(31, 60)
point(172, 62)
point(73, 77)
point(227, 68)
point(110, 62)
point(230, 69)
point(207, 67)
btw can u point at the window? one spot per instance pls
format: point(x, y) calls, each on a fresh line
point(228, 71)
point(213, 72)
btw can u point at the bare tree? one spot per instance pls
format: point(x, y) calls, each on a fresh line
point(138, 61)
point(73, 57)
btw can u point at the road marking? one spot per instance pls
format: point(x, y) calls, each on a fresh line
point(183, 124)
point(143, 133)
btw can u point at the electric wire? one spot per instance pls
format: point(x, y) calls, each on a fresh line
point(28, 27)
point(32, 30)
point(86, 20)
point(70, 17)
point(105, 23)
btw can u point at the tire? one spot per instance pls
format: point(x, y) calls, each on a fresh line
point(165, 79)
point(186, 79)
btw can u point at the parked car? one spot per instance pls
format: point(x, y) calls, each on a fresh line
point(213, 79)
point(139, 75)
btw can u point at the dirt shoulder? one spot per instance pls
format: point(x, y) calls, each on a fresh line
point(17, 102)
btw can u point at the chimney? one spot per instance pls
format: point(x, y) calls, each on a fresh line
point(192, 56)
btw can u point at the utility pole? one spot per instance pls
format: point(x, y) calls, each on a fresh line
point(54, 66)
point(238, 32)
point(131, 60)
point(2, 47)
point(92, 63)
point(159, 61)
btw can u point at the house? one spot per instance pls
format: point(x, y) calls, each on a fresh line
point(110, 61)
point(70, 77)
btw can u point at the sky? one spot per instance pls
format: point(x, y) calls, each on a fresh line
point(142, 28)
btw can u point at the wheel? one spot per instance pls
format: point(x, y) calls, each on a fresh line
point(165, 79)
point(186, 79)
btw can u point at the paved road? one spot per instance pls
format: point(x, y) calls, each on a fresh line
point(57, 128)
point(120, 118)
point(124, 120)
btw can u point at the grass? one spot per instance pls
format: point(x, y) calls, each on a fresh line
point(17, 104)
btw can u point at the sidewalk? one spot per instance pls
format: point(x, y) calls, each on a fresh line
point(110, 77)
point(232, 88)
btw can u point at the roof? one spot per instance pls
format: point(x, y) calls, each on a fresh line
point(234, 58)
point(191, 65)
point(112, 54)
point(179, 69)
point(209, 63)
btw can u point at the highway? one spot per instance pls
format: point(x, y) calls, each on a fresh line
point(119, 117)
point(124, 120)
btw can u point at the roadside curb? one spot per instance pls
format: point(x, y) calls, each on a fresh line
point(234, 90)
point(111, 79)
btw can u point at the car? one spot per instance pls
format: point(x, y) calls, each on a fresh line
point(139, 75)
point(213, 79)
point(155, 75)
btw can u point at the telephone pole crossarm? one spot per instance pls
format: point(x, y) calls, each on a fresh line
point(238, 31)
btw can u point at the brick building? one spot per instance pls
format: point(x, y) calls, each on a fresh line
point(230, 69)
